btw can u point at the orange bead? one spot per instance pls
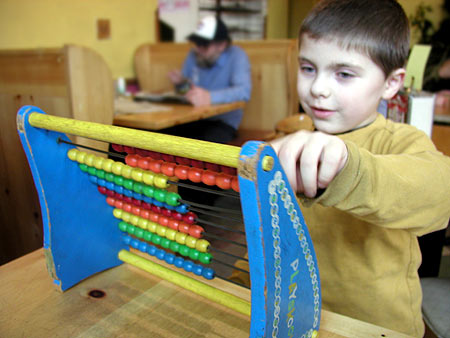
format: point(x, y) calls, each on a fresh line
point(154, 217)
point(144, 213)
point(235, 183)
point(135, 210)
point(155, 166)
point(181, 171)
point(196, 231)
point(163, 221)
point(209, 177)
point(223, 181)
point(118, 204)
point(110, 201)
point(173, 224)
point(183, 227)
point(127, 207)
point(143, 163)
point(131, 160)
point(195, 175)
point(168, 169)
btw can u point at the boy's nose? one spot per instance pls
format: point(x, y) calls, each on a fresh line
point(320, 87)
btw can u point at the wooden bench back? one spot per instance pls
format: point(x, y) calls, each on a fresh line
point(273, 68)
point(71, 81)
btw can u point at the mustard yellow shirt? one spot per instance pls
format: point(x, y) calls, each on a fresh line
point(394, 187)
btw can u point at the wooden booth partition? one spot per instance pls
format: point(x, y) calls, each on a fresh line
point(274, 77)
point(72, 81)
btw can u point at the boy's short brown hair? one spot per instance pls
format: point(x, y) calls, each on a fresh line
point(378, 28)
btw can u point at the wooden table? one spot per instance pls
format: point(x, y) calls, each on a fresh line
point(441, 129)
point(178, 114)
point(134, 304)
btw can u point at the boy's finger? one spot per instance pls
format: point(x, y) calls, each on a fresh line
point(309, 163)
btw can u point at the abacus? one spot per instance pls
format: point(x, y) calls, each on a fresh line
point(98, 213)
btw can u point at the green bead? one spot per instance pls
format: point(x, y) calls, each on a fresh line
point(92, 171)
point(205, 257)
point(128, 184)
point(174, 246)
point(184, 250)
point(148, 236)
point(148, 191)
point(159, 195)
point(139, 232)
point(100, 173)
point(123, 226)
point(194, 254)
point(172, 199)
point(137, 187)
point(165, 243)
point(131, 229)
point(83, 167)
point(109, 177)
point(118, 180)
point(156, 239)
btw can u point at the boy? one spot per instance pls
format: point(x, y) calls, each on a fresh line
point(369, 186)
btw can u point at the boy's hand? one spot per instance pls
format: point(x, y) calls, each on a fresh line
point(198, 96)
point(310, 160)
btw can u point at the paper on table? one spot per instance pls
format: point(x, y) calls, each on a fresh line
point(123, 105)
point(415, 67)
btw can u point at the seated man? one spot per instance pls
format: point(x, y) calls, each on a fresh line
point(215, 71)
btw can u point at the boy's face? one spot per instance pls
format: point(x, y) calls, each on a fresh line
point(339, 89)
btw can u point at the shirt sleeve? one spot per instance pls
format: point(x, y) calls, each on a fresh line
point(240, 81)
point(409, 189)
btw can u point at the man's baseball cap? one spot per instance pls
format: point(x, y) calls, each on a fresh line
point(209, 29)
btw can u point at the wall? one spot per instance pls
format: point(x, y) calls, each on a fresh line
point(53, 23)
point(277, 19)
point(184, 21)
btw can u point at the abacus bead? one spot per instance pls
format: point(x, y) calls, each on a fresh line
point(166, 212)
point(209, 177)
point(127, 239)
point(89, 159)
point(156, 209)
point(235, 183)
point(137, 187)
point(172, 198)
point(126, 171)
point(196, 231)
point(126, 217)
point(183, 227)
point(143, 247)
point(134, 219)
point(117, 147)
point(131, 160)
point(184, 250)
point(143, 163)
point(143, 223)
point(202, 245)
point(100, 173)
point(182, 208)
point(118, 180)
point(208, 273)
point(197, 269)
point(117, 168)
point(191, 242)
point(148, 191)
point(148, 178)
point(174, 246)
point(111, 201)
point(107, 165)
point(189, 218)
point(156, 239)
point(188, 265)
point(205, 257)
point(160, 254)
point(160, 230)
point(160, 181)
point(195, 175)
point(83, 167)
point(177, 216)
point(118, 189)
point(194, 254)
point(92, 171)
point(165, 243)
point(159, 195)
point(139, 233)
point(123, 226)
point(93, 179)
point(173, 224)
point(81, 156)
point(101, 182)
point(102, 190)
point(109, 177)
point(128, 184)
point(136, 174)
point(152, 250)
point(118, 204)
point(129, 150)
point(178, 262)
point(163, 220)
point(212, 166)
point(182, 160)
point(181, 238)
point(117, 213)
point(223, 181)
point(169, 258)
point(98, 162)
point(168, 158)
point(144, 213)
point(155, 166)
point(181, 172)
point(135, 243)
point(171, 234)
point(152, 227)
point(168, 169)
point(148, 236)
point(197, 164)
point(72, 154)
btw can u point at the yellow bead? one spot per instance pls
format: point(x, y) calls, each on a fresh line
point(191, 241)
point(81, 156)
point(72, 154)
point(117, 168)
point(126, 171)
point(202, 245)
point(147, 178)
point(161, 230)
point(181, 238)
point(107, 165)
point(98, 162)
point(171, 234)
point(134, 219)
point(136, 174)
point(117, 213)
point(126, 216)
point(152, 227)
point(89, 160)
point(160, 181)
point(143, 223)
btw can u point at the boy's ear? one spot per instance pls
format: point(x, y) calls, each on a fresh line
point(393, 83)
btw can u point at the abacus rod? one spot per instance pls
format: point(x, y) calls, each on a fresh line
point(231, 211)
point(59, 140)
point(178, 146)
point(223, 239)
point(229, 265)
point(232, 281)
point(223, 227)
point(228, 254)
point(202, 289)
point(228, 218)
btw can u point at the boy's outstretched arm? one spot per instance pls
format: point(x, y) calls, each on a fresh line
point(310, 160)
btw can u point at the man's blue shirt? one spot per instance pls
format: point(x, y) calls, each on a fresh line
point(229, 80)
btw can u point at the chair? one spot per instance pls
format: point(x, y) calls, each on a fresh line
point(436, 305)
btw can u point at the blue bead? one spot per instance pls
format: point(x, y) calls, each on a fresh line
point(178, 262)
point(147, 199)
point(169, 258)
point(188, 265)
point(110, 186)
point(93, 179)
point(182, 208)
point(208, 273)
point(135, 243)
point(101, 182)
point(137, 196)
point(158, 203)
point(127, 239)
point(127, 192)
point(197, 269)
point(151, 250)
point(118, 189)
point(143, 247)
point(160, 254)
point(169, 207)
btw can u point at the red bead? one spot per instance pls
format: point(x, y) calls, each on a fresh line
point(196, 231)
point(189, 217)
point(154, 155)
point(182, 160)
point(137, 202)
point(146, 205)
point(197, 164)
point(144, 213)
point(183, 227)
point(223, 181)
point(195, 175)
point(102, 190)
point(235, 183)
point(168, 169)
point(117, 147)
point(166, 212)
point(181, 171)
point(127, 199)
point(227, 170)
point(141, 152)
point(212, 166)
point(177, 216)
point(128, 150)
point(156, 209)
point(110, 193)
point(209, 177)
point(168, 158)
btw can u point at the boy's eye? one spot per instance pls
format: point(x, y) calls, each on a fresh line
point(345, 75)
point(307, 69)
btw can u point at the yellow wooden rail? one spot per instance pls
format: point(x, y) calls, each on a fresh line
point(199, 150)
point(202, 289)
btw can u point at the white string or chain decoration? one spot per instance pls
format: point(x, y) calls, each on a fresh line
point(278, 186)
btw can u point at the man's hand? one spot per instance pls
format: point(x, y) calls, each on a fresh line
point(198, 96)
point(310, 160)
point(176, 76)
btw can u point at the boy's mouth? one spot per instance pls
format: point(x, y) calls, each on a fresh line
point(321, 112)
